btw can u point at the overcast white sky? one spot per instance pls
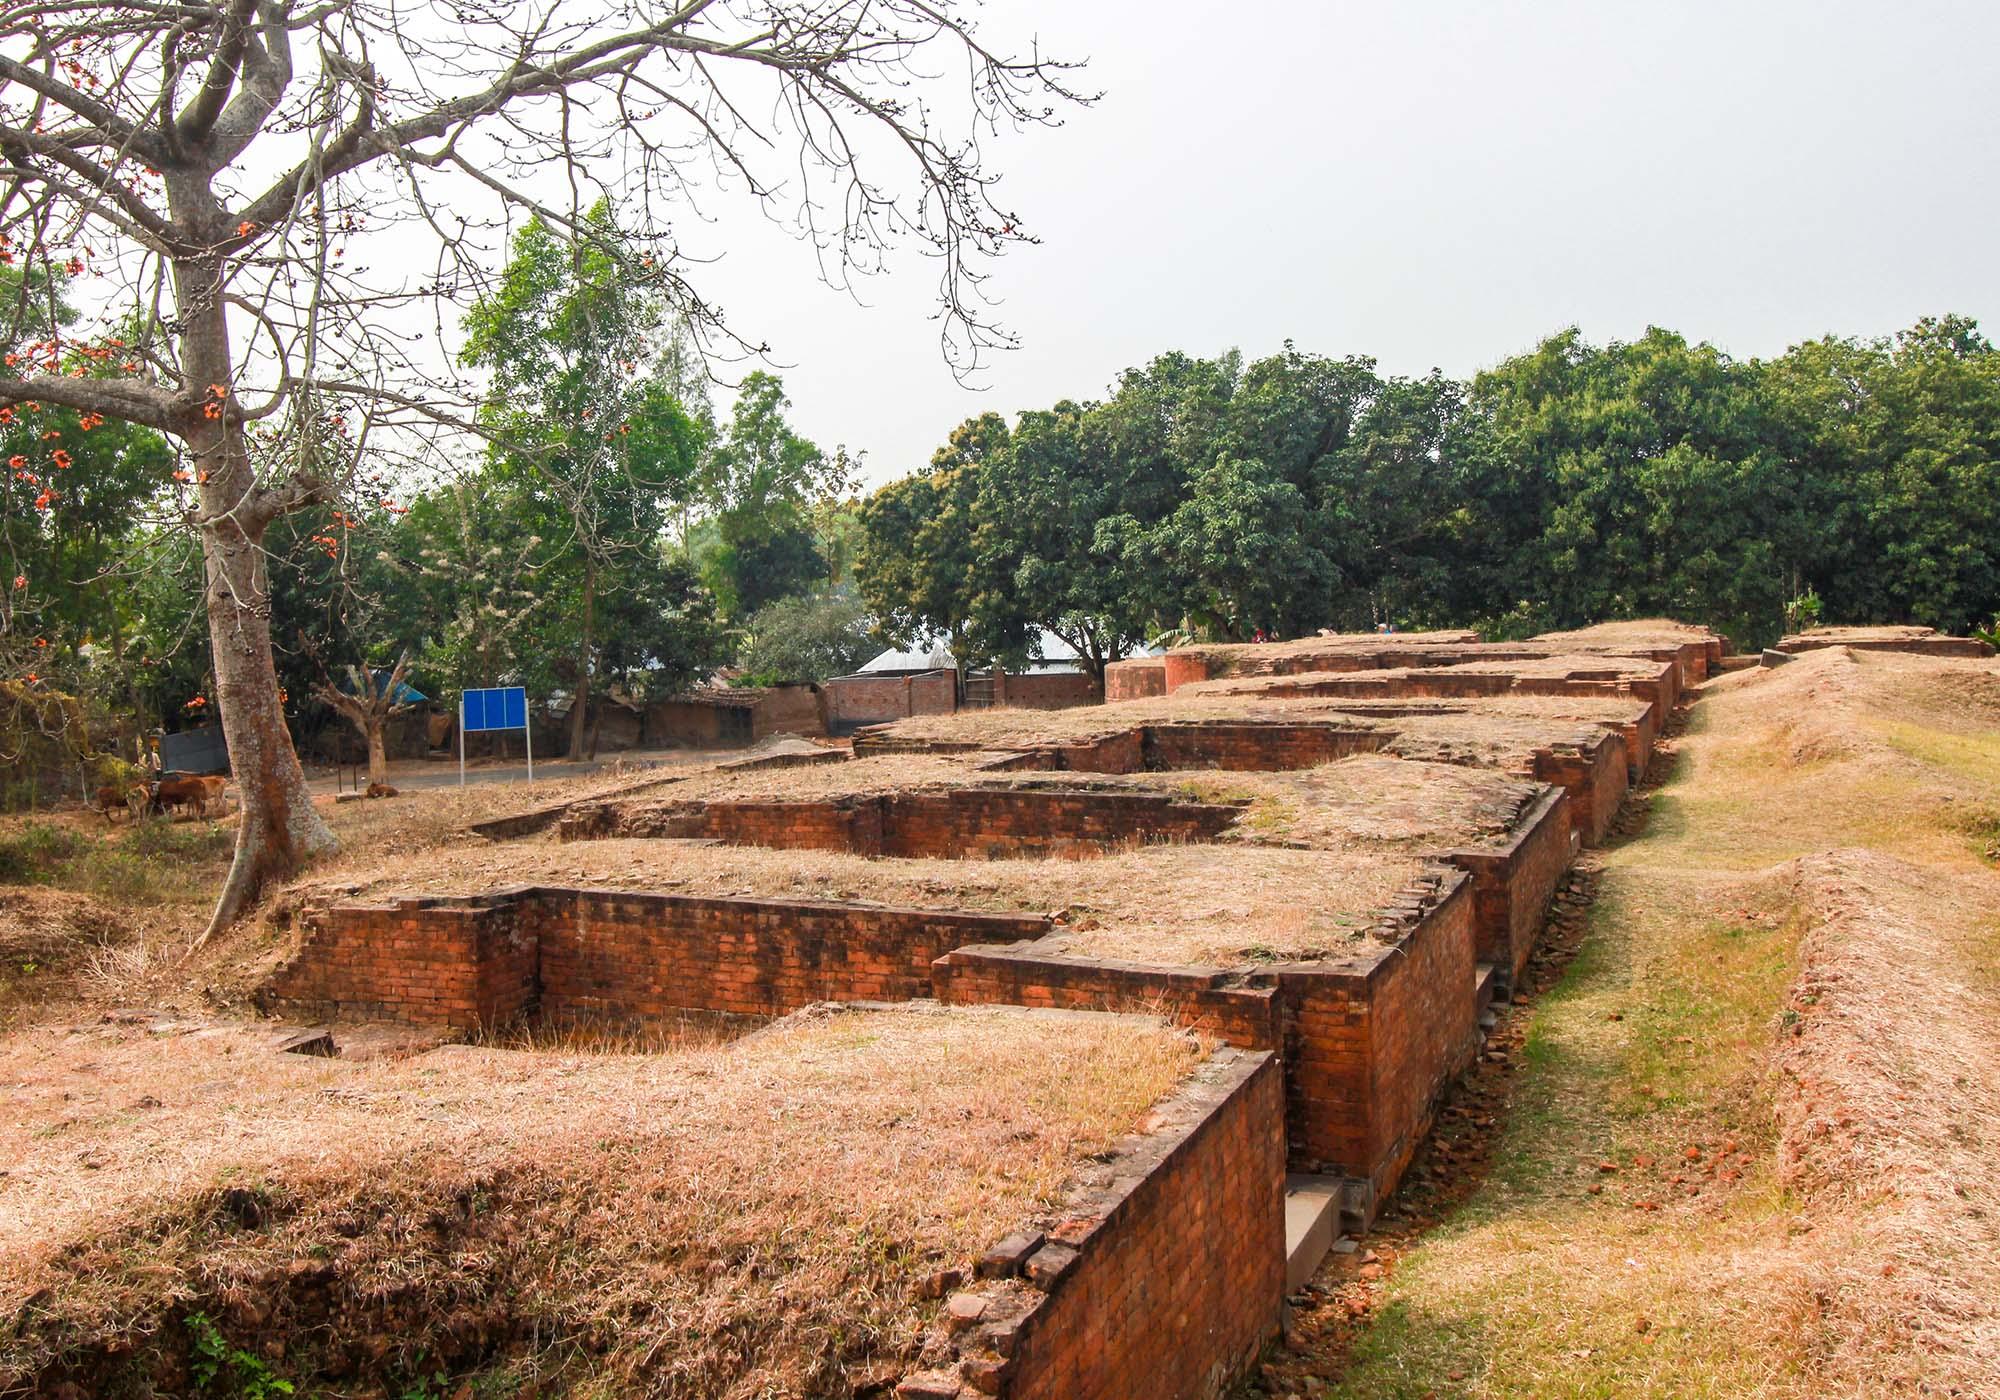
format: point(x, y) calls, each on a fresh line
point(1433, 182)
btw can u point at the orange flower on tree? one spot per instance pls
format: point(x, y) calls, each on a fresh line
point(61, 458)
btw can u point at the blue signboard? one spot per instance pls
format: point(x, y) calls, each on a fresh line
point(503, 707)
point(495, 707)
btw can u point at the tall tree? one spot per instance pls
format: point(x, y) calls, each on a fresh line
point(766, 485)
point(223, 157)
point(592, 452)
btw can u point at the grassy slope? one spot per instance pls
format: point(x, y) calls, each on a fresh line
point(1741, 1271)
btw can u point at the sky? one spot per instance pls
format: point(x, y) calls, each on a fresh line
point(1435, 183)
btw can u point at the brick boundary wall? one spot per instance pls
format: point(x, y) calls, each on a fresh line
point(1162, 1277)
point(1467, 685)
point(463, 963)
point(1045, 690)
point(958, 823)
point(1513, 883)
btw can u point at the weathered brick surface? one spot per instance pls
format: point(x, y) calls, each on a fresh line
point(1258, 747)
point(1044, 690)
point(1135, 679)
point(852, 700)
point(1242, 1010)
point(614, 956)
point(1369, 1042)
point(959, 823)
point(638, 957)
point(462, 963)
point(1595, 777)
point(1250, 746)
point(1513, 882)
point(1164, 1274)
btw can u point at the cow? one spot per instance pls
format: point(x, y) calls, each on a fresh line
point(170, 794)
point(214, 789)
point(109, 799)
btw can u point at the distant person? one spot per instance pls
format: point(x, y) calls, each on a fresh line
point(1260, 635)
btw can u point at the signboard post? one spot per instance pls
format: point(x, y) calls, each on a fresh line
point(498, 707)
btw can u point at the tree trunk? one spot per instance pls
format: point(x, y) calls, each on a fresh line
point(378, 752)
point(279, 829)
point(580, 704)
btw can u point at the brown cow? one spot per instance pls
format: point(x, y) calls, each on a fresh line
point(214, 792)
point(111, 799)
point(172, 793)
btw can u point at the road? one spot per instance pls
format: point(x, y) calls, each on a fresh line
point(422, 773)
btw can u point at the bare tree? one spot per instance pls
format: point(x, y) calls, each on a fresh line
point(311, 167)
point(367, 705)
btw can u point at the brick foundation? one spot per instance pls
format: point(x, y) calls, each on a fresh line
point(1163, 1275)
point(961, 823)
point(1136, 679)
point(615, 957)
point(1512, 885)
point(1595, 777)
point(1369, 1042)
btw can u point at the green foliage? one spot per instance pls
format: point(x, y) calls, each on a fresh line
point(1573, 484)
point(221, 1369)
point(1802, 613)
point(551, 566)
point(807, 638)
point(768, 488)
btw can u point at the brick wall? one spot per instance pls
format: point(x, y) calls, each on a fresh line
point(1255, 747)
point(1135, 679)
point(1241, 1010)
point(855, 700)
point(1369, 1042)
point(789, 709)
point(620, 957)
point(1513, 882)
point(461, 963)
point(1422, 1030)
point(960, 823)
point(1252, 746)
point(1044, 690)
point(1164, 1281)
point(1183, 668)
point(1594, 776)
point(600, 955)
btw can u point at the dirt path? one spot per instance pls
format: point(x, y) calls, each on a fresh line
point(1742, 1146)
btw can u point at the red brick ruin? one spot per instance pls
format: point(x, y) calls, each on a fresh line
point(1337, 1064)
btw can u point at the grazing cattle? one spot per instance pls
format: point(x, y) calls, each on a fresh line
point(170, 794)
point(139, 800)
point(214, 793)
point(111, 799)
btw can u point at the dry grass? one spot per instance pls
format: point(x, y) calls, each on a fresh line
point(753, 1220)
point(1663, 631)
point(1370, 799)
point(1790, 975)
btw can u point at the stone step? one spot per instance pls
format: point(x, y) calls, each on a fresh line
point(1485, 985)
point(1312, 1224)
